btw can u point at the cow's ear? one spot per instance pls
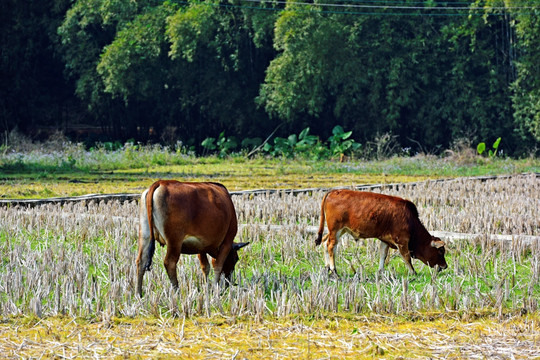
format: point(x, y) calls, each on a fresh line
point(238, 246)
point(437, 244)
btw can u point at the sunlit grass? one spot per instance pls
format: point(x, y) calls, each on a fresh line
point(344, 336)
point(69, 169)
point(234, 175)
point(26, 179)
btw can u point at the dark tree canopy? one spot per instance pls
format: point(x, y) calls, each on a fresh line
point(427, 72)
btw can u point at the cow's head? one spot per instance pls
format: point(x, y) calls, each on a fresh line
point(432, 253)
point(232, 259)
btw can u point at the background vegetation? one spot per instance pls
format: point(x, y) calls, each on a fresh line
point(59, 167)
point(425, 72)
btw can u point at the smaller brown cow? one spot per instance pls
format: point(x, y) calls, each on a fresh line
point(391, 219)
point(190, 218)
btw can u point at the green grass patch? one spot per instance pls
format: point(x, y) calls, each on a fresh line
point(25, 179)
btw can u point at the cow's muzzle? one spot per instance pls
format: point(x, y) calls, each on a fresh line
point(440, 268)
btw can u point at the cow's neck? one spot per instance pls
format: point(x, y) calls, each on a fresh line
point(420, 236)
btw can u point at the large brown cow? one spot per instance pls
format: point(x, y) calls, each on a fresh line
point(391, 219)
point(190, 218)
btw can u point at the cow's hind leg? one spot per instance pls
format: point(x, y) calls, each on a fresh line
point(205, 265)
point(330, 251)
point(171, 259)
point(383, 253)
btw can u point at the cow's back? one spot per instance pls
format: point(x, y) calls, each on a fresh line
point(369, 214)
point(193, 201)
point(201, 210)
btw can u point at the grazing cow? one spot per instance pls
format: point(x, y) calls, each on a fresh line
point(391, 219)
point(190, 218)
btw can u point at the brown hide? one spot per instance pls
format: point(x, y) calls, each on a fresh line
point(188, 218)
point(391, 219)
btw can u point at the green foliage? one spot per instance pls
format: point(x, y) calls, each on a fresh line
point(307, 145)
point(141, 65)
point(481, 148)
point(138, 68)
point(491, 152)
point(526, 96)
point(304, 141)
point(496, 146)
point(313, 62)
point(191, 29)
point(132, 66)
point(329, 66)
point(87, 28)
point(301, 144)
point(209, 143)
point(223, 144)
point(341, 143)
point(249, 143)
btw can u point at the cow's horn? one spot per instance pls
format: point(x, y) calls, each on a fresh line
point(237, 246)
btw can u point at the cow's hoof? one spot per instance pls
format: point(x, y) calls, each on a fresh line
point(333, 274)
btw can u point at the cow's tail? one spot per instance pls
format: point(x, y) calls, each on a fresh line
point(152, 246)
point(321, 223)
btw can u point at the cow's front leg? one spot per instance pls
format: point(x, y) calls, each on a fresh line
point(171, 259)
point(205, 265)
point(383, 253)
point(406, 255)
point(224, 251)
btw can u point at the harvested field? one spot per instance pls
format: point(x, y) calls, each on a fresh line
point(349, 337)
point(72, 267)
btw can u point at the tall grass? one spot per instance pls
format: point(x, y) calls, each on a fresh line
point(79, 260)
point(21, 154)
point(72, 156)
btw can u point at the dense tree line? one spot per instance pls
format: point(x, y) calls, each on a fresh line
point(429, 72)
